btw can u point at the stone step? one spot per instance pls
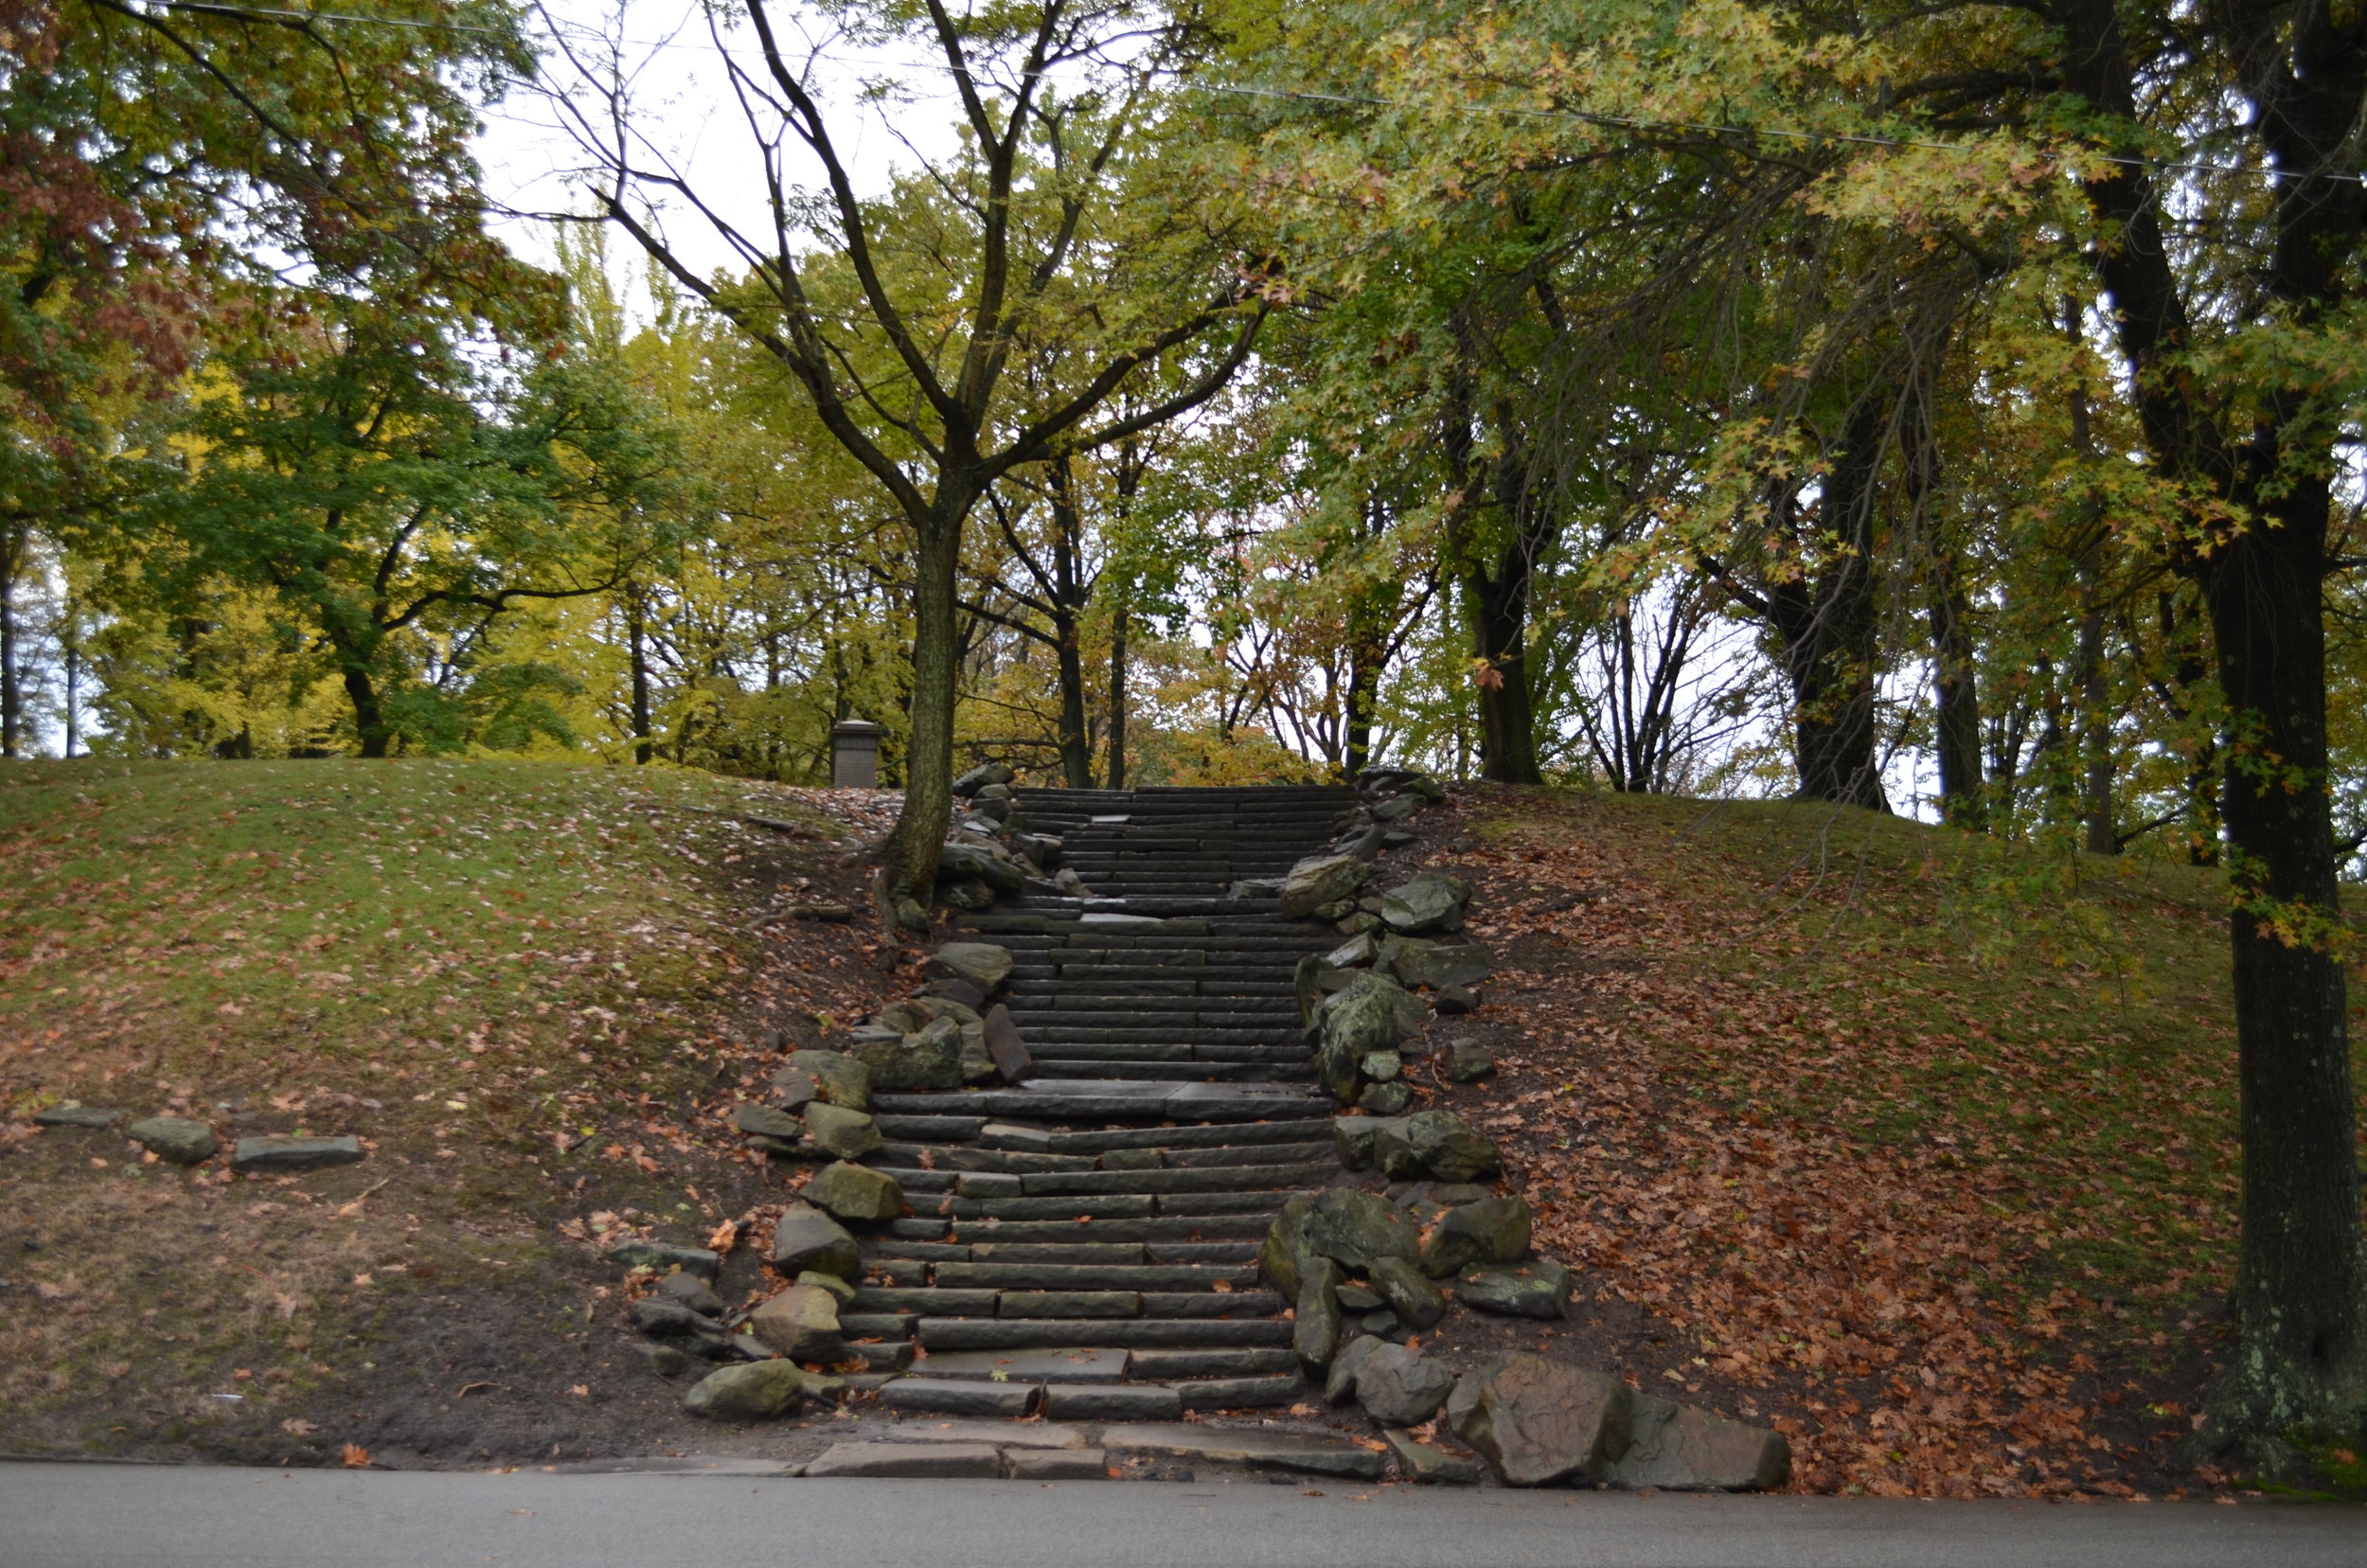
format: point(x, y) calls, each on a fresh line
point(1070, 1100)
point(1195, 1035)
point(1086, 1066)
point(1212, 1179)
point(1272, 1392)
point(1062, 1277)
point(1307, 1452)
point(1055, 1364)
point(970, 1334)
point(1179, 1228)
point(934, 1129)
point(1233, 1362)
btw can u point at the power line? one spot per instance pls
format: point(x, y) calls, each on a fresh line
point(1626, 122)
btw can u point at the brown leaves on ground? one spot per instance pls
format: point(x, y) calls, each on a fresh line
point(1843, 1171)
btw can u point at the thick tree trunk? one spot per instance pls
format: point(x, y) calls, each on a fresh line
point(1826, 627)
point(2301, 1288)
point(11, 666)
point(369, 718)
point(912, 847)
point(2099, 825)
point(1497, 602)
point(1962, 801)
point(1118, 629)
point(1076, 757)
point(637, 651)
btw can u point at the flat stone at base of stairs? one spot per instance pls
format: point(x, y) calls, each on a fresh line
point(1112, 1402)
point(1100, 1364)
point(936, 1461)
point(1314, 1454)
point(1030, 1435)
point(1237, 1361)
point(951, 1333)
point(954, 1398)
point(1058, 1464)
point(1242, 1393)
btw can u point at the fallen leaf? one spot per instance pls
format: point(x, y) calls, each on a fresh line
point(298, 1427)
point(354, 1456)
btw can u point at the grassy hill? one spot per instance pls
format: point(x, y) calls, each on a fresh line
point(522, 984)
point(1920, 1146)
point(1922, 1142)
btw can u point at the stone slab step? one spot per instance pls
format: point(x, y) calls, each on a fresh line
point(1181, 1228)
point(1055, 1364)
point(1206, 1364)
point(1207, 1178)
point(909, 1461)
point(1112, 1402)
point(970, 1334)
point(1279, 1131)
point(956, 1397)
point(1243, 1393)
point(1259, 1450)
point(1067, 1276)
point(932, 1129)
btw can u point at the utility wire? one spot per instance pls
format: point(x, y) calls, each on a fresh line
point(1624, 122)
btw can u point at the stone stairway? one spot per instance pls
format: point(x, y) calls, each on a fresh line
point(1084, 1245)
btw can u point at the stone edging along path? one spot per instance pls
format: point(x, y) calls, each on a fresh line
point(1140, 1165)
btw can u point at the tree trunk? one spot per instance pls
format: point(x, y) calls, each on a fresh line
point(1962, 803)
point(637, 651)
point(913, 847)
point(2301, 1290)
point(369, 718)
point(11, 672)
point(1119, 627)
point(1828, 626)
point(2099, 825)
point(72, 655)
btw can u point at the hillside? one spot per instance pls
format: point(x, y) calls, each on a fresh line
point(1923, 1145)
point(1917, 1146)
point(519, 983)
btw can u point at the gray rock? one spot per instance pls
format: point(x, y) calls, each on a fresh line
point(1350, 955)
point(1455, 1001)
point(747, 1347)
point(983, 963)
point(661, 1259)
point(1428, 903)
point(997, 790)
point(1534, 1291)
point(1339, 909)
point(1313, 1452)
point(1401, 1387)
point(1321, 880)
point(1437, 1142)
point(1386, 1099)
point(1539, 1421)
point(688, 1290)
point(976, 1061)
point(1383, 1323)
point(747, 1392)
point(1359, 925)
point(666, 1361)
point(793, 1090)
point(92, 1116)
point(1255, 887)
point(1357, 1298)
point(1289, 1247)
point(1356, 1022)
point(967, 893)
point(1315, 1334)
point(269, 1155)
point(1380, 1067)
point(808, 1239)
point(856, 1192)
point(1424, 1464)
point(843, 1133)
point(801, 1322)
point(174, 1138)
point(840, 1289)
point(1340, 1382)
point(677, 1324)
point(1013, 1063)
point(1358, 1228)
point(1408, 1291)
point(763, 1121)
point(960, 993)
point(844, 1080)
point(931, 1059)
point(976, 862)
point(980, 777)
point(1469, 1062)
point(1396, 808)
point(1437, 964)
point(1495, 1230)
point(1353, 1136)
point(1058, 1464)
point(1678, 1448)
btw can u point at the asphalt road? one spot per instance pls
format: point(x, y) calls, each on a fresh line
point(111, 1516)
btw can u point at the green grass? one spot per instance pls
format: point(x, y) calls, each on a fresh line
point(476, 966)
